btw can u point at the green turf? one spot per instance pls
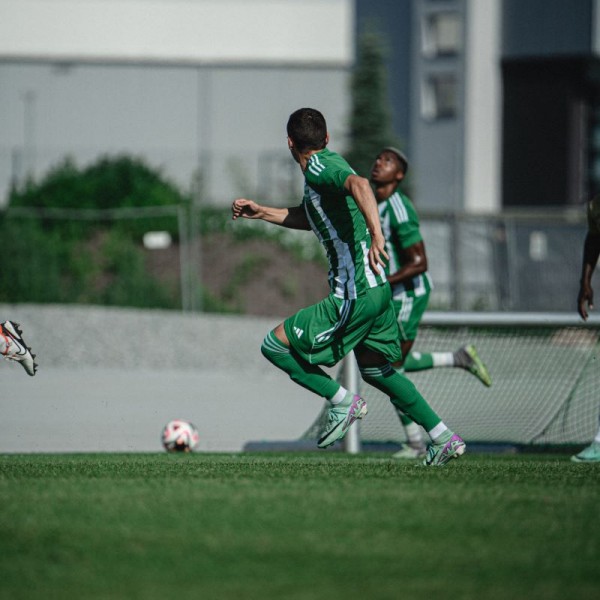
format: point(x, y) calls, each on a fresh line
point(297, 526)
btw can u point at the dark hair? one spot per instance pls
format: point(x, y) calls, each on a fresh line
point(307, 129)
point(399, 155)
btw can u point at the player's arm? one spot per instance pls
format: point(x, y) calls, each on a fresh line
point(292, 218)
point(361, 191)
point(414, 263)
point(591, 252)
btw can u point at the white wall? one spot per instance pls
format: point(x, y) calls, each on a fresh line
point(214, 31)
point(186, 84)
point(109, 379)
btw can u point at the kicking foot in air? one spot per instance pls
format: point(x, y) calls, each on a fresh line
point(467, 358)
point(15, 346)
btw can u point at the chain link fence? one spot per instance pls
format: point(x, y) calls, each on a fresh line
point(506, 262)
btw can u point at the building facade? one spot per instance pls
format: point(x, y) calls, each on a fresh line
point(201, 89)
point(497, 100)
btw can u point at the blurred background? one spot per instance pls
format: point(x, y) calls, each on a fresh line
point(128, 127)
point(182, 105)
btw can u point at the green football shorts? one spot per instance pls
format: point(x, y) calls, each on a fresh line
point(325, 332)
point(409, 311)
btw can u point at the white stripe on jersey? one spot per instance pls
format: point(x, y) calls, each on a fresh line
point(346, 276)
point(405, 309)
point(420, 288)
point(315, 166)
point(368, 271)
point(398, 207)
point(389, 246)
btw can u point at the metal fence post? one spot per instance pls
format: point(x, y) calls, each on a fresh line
point(352, 440)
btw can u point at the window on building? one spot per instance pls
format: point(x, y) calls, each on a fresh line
point(442, 34)
point(439, 96)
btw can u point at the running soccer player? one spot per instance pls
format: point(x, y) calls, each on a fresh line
point(585, 300)
point(339, 207)
point(13, 346)
point(406, 271)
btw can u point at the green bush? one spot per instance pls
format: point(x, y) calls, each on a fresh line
point(39, 266)
point(128, 282)
point(98, 261)
point(110, 183)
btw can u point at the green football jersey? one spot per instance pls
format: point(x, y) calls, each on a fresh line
point(400, 224)
point(338, 223)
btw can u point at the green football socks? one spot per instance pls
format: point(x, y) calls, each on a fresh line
point(309, 376)
point(402, 393)
point(415, 361)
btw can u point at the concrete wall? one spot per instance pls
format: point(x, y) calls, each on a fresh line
point(109, 379)
point(215, 31)
point(196, 87)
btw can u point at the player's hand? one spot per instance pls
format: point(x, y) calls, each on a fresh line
point(248, 209)
point(585, 301)
point(376, 252)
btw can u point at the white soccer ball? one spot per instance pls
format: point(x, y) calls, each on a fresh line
point(180, 436)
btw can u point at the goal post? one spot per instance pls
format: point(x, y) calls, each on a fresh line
point(545, 381)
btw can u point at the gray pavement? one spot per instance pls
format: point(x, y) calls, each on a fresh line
point(109, 379)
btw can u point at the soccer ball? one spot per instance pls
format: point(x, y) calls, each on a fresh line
point(180, 436)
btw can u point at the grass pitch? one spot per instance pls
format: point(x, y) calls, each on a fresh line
point(297, 526)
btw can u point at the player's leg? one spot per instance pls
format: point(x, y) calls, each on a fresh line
point(309, 376)
point(13, 346)
point(410, 307)
point(415, 446)
point(408, 311)
point(465, 357)
point(375, 355)
point(445, 443)
point(307, 328)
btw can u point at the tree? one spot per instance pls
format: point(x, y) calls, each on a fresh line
point(371, 115)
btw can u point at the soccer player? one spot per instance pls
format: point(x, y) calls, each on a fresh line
point(339, 207)
point(407, 273)
point(13, 346)
point(585, 300)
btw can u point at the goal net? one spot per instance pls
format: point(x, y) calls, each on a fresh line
point(545, 381)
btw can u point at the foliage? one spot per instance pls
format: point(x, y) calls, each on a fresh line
point(120, 182)
point(128, 282)
point(370, 119)
point(69, 258)
point(111, 182)
point(34, 264)
point(61, 251)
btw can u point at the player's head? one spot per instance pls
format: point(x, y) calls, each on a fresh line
point(307, 130)
point(389, 166)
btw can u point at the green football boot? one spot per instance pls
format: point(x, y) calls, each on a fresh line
point(589, 454)
point(467, 358)
point(340, 417)
point(439, 454)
